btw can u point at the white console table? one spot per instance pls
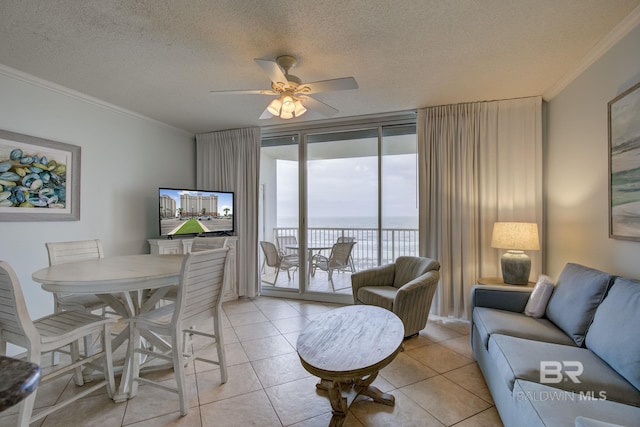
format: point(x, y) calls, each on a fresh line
point(183, 246)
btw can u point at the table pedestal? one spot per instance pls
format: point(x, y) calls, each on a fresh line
point(343, 393)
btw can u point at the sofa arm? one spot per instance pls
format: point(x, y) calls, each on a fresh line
point(377, 276)
point(509, 298)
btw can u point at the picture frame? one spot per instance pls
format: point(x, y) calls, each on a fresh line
point(624, 165)
point(39, 179)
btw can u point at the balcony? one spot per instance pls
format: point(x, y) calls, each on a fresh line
point(394, 242)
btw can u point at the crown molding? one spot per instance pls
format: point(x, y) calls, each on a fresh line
point(65, 91)
point(606, 43)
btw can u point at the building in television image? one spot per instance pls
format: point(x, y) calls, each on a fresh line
point(195, 212)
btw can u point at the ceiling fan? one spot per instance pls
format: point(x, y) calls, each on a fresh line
point(294, 97)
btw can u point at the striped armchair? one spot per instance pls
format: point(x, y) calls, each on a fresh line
point(406, 288)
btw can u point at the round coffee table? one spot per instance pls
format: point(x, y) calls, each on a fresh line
point(346, 348)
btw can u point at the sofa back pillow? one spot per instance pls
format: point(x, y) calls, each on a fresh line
point(539, 297)
point(613, 335)
point(575, 298)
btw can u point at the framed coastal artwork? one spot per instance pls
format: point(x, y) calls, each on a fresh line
point(624, 165)
point(39, 179)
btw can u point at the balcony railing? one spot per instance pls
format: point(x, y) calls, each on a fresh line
point(394, 242)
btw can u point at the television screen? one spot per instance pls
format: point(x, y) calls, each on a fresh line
point(195, 212)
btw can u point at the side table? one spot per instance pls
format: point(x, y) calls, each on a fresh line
point(497, 281)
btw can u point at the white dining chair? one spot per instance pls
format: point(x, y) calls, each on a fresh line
point(64, 252)
point(199, 298)
point(50, 333)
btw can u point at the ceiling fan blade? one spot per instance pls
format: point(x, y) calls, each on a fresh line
point(344, 83)
point(318, 106)
point(265, 114)
point(272, 69)
point(246, 92)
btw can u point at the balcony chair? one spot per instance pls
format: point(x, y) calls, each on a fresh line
point(338, 260)
point(405, 287)
point(62, 253)
point(272, 258)
point(283, 242)
point(346, 239)
point(50, 333)
point(199, 299)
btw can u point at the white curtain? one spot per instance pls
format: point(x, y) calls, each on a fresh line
point(478, 163)
point(230, 161)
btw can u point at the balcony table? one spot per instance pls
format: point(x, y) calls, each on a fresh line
point(310, 250)
point(140, 281)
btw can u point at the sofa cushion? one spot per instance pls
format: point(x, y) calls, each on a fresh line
point(577, 294)
point(518, 358)
point(382, 296)
point(492, 321)
point(539, 298)
point(409, 267)
point(615, 324)
point(540, 405)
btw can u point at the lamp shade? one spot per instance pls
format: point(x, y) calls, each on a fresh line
point(515, 235)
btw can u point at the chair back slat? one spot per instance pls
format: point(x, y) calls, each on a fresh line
point(201, 283)
point(14, 317)
point(64, 252)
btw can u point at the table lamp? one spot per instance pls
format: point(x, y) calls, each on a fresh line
point(516, 237)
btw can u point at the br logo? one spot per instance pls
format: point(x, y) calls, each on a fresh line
point(553, 371)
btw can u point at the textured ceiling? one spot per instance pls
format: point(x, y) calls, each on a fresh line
point(160, 58)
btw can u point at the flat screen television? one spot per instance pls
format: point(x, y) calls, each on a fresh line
point(195, 212)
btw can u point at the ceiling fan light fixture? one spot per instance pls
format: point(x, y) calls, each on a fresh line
point(275, 106)
point(300, 110)
point(288, 105)
point(286, 115)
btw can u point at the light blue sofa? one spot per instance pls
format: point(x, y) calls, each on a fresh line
point(578, 365)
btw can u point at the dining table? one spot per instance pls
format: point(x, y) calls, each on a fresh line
point(129, 284)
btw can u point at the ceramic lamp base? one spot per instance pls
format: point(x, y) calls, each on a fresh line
point(516, 266)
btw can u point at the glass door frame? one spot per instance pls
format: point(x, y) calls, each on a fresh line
point(300, 132)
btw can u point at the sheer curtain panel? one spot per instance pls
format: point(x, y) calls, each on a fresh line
point(230, 161)
point(478, 163)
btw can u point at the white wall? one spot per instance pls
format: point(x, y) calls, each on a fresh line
point(576, 175)
point(124, 160)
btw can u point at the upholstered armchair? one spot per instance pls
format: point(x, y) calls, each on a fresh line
point(406, 288)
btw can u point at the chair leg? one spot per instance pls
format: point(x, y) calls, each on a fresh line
point(134, 342)
point(178, 369)
point(222, 358)
point(329, 272)
point(75, 356)
point(108, 360)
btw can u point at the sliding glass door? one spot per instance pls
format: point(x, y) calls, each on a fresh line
point(335, 201)
point(342, 207)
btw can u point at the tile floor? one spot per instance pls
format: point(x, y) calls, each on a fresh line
point(435, 381)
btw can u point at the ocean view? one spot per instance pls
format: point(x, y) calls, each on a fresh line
point(398, 222)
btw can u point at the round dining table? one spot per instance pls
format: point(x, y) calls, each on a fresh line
point(129, 284)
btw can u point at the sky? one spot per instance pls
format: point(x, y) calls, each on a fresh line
point(348, 187)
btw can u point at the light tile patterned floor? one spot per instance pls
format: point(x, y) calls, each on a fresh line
point(435, 381)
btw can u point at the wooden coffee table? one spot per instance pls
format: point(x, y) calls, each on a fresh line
point(346, 348)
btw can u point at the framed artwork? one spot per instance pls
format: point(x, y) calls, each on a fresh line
point(624, 165)
point(39, 179)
